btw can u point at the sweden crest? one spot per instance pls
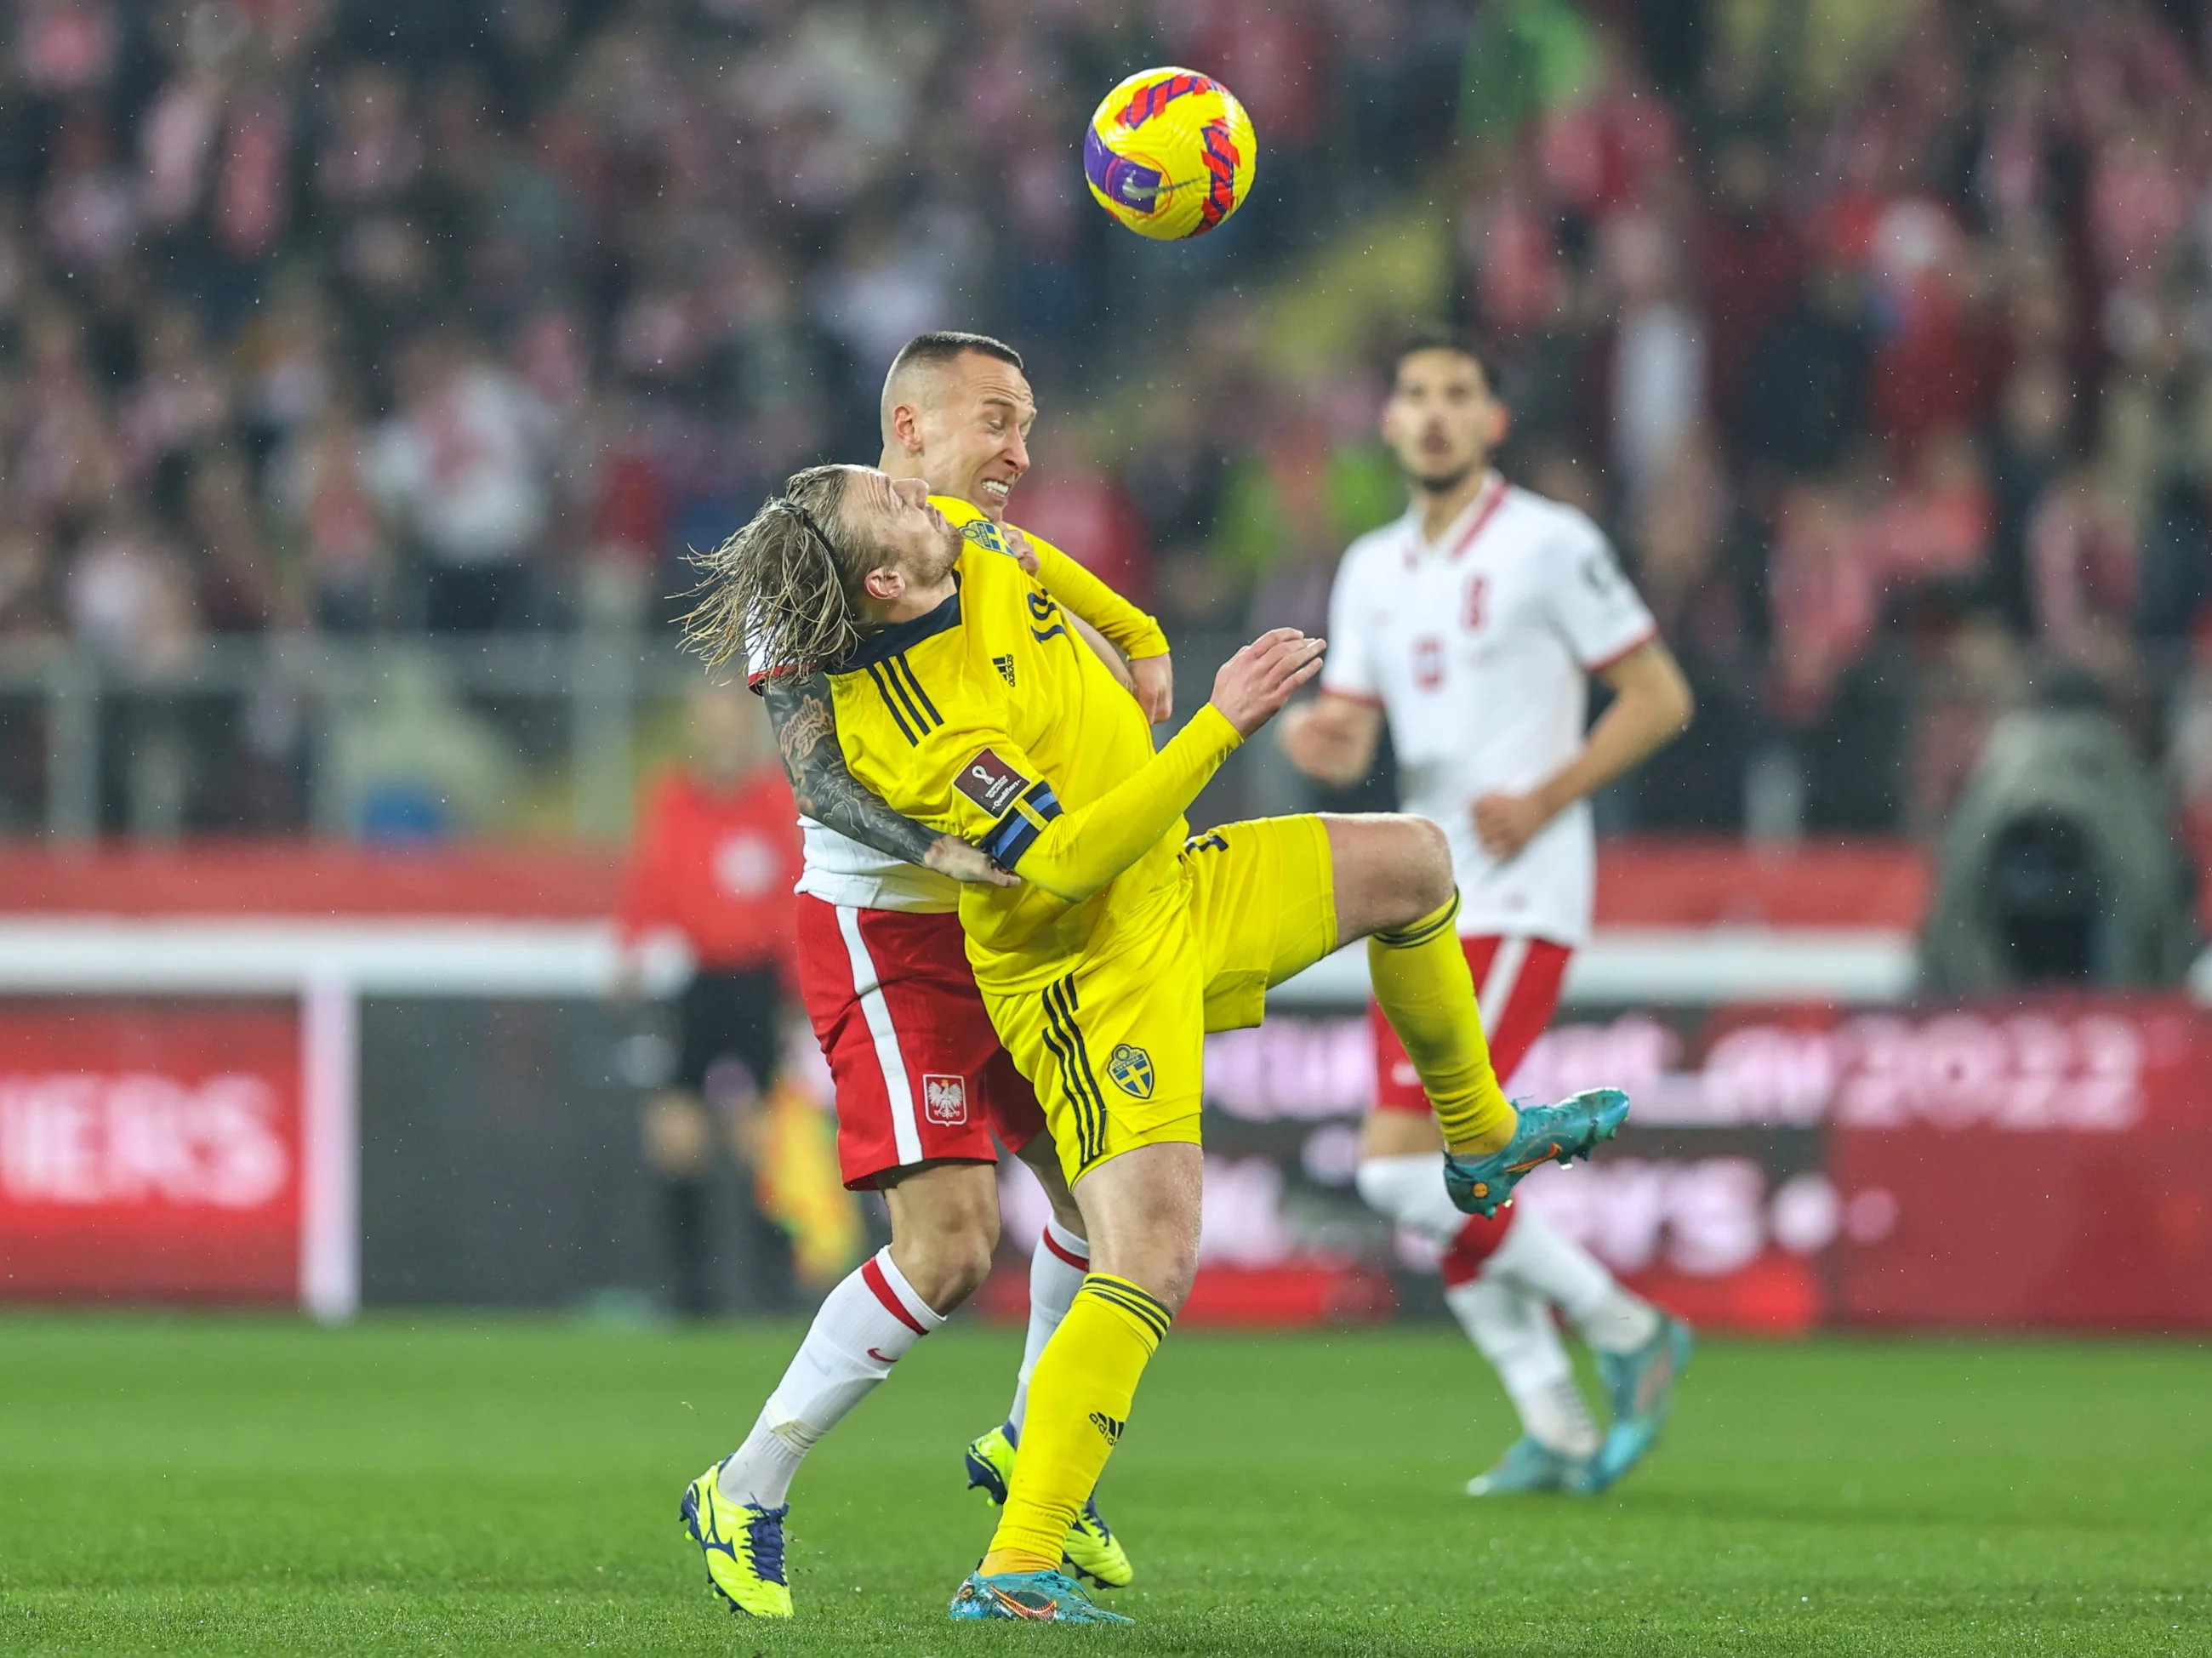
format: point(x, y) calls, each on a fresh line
point(1131, 1068)
point(984, 534)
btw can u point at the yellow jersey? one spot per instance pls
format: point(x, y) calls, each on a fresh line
point(989, 719)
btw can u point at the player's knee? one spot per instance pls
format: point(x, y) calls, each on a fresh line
point(1162, 1265)
point(1173, 1266)
point(968, 1253)
point(1173, 1271)
point(968, 1266)
point(1423, 860)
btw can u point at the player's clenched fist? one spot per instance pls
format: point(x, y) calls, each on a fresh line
point(1506, 823)
point(1331, 739)
point(1253, 684)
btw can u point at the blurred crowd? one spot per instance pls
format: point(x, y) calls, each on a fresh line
point(1881, 334)
point(1877, 331)
point(426, 313)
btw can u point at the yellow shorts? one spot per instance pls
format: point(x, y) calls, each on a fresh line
point(1116, 1048)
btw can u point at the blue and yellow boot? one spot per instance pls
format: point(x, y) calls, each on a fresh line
point(991, 1461)
point(743, 1545)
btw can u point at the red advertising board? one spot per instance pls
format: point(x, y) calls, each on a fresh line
point(2047, 1166)
point(2039, 1163)
point(150, 1150)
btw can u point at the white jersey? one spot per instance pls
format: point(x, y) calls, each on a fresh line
point(841, 870)
point(1478, 650)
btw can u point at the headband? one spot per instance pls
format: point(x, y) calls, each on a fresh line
point(813, 529)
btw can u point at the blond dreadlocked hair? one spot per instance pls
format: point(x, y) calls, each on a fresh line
point(779, 590)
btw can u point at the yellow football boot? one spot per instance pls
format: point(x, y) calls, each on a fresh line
point(1092, 1551)
point(744, 1546)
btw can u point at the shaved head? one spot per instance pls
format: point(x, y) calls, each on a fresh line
point(956, 413)
point(914, 373)
point(908, 385)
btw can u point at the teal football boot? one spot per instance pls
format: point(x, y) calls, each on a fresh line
point(1036, 1597)
point(1546, 1133)
point(1639, 1385)
point(1531, 1465)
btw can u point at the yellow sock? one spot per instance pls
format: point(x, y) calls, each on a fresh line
point(1080, 1397)
point(1421, 980)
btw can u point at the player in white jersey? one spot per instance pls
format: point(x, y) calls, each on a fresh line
point(922, 1081)
point(1472, 625)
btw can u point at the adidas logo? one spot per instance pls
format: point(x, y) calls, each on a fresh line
point(1107, 1425)
point(1004, 664)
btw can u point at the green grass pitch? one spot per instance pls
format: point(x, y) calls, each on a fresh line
point(445, 1485)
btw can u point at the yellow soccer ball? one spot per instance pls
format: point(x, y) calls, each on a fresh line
point(1170, 153)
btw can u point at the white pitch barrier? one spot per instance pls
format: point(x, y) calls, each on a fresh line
point(1655, 966)
point(328, 967)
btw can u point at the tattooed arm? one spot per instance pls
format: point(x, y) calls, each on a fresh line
point(805, 724)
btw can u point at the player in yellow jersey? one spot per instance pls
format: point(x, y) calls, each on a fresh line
point(924, 1087)
point(963, 700)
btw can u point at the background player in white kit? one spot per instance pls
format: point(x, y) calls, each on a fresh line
point(1472, 624)
point(922, 1082)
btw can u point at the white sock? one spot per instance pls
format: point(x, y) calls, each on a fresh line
point(1056, 1269)
point(1411, 1190)
point(864, 1326)
point(1540, 1258)
point(1513, 1330)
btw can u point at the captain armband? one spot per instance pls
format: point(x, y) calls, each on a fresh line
point(1016, 832)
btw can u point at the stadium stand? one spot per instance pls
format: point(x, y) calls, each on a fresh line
point(1868, 334)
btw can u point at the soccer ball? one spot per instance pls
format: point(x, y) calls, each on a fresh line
point(1170, 153)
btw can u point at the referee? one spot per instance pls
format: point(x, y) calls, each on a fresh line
point(715, 857)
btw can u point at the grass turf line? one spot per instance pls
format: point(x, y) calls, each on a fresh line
point(183, 1484)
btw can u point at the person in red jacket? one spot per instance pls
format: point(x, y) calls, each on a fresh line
point(715, 857)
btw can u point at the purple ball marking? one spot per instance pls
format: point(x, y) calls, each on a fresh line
point(1118, 179)
point(1097, 160)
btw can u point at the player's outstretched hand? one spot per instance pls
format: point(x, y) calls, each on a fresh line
point(970, 866)
point(1155, 682)
point(1253, 684)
